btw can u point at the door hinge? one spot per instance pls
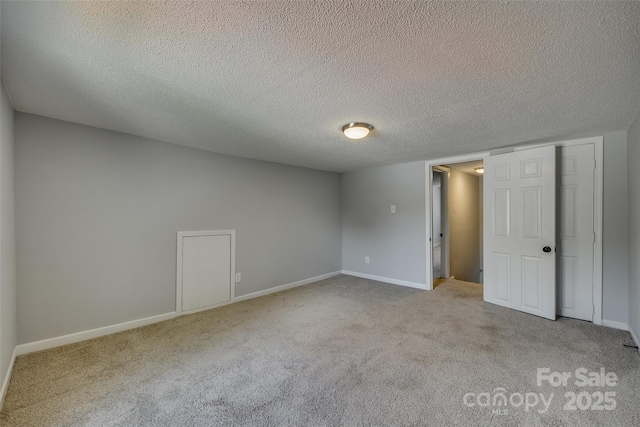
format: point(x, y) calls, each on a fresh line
point(595, 164)
point(594, 237)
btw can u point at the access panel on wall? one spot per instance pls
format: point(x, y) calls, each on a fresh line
point(204, 270)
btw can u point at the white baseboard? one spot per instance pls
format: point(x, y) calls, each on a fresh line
point(615, 324)
point(386, 280)
point(635, 338)
point(93, 333)
point(285, 287)
point(112, 329)
point(7, 378)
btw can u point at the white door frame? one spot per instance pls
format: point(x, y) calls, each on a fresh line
point(429, 166)
point(445, 267)
point(598, 142)
point(183, 234)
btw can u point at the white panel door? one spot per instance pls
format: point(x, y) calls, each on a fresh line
point(519, 231)
point(576, 231)
point(206, 271)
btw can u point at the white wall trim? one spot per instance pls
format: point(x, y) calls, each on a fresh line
point(635, 338)
point(458, 159)
point(112, 329)
point(180, 236)
point(87, 335)
point(430, 166)
point(7, 378)
point(287, 286)
point(386, 280)
point(445, 226)
point(615, 324)
point(428, 201)
point(564, 143)
point(598, 293)
point(205, 308)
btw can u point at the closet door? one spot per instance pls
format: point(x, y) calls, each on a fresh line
point(520, 231)
point(576, 231)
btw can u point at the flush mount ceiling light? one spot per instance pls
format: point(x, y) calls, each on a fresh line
point(480, 170)
point(356, 130)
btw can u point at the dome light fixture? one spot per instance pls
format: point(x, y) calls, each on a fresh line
point(480, 170)
point(356, 130)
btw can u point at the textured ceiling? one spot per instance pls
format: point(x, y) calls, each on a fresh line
point(276, 80)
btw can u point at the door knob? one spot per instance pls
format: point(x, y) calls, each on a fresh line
point(546, 249)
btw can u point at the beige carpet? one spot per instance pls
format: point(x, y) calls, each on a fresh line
point(344, 351)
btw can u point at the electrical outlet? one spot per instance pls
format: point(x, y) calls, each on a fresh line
point(238, 278)
point(366, 260)
point(393, 208)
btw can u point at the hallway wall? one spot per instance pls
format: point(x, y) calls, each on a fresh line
point(464, 230)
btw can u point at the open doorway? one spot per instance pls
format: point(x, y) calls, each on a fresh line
point(457, 222)
point(576, 213)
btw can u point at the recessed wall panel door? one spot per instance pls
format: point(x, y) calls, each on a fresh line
point(520, 231)
point(206, 271)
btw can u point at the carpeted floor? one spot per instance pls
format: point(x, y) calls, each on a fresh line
point(344, 351)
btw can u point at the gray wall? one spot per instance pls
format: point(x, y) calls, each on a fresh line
point(615, 243)
point(395, 243)
point(7, 237)
point(633, 159)
point(98, 211)
point(464, 226)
